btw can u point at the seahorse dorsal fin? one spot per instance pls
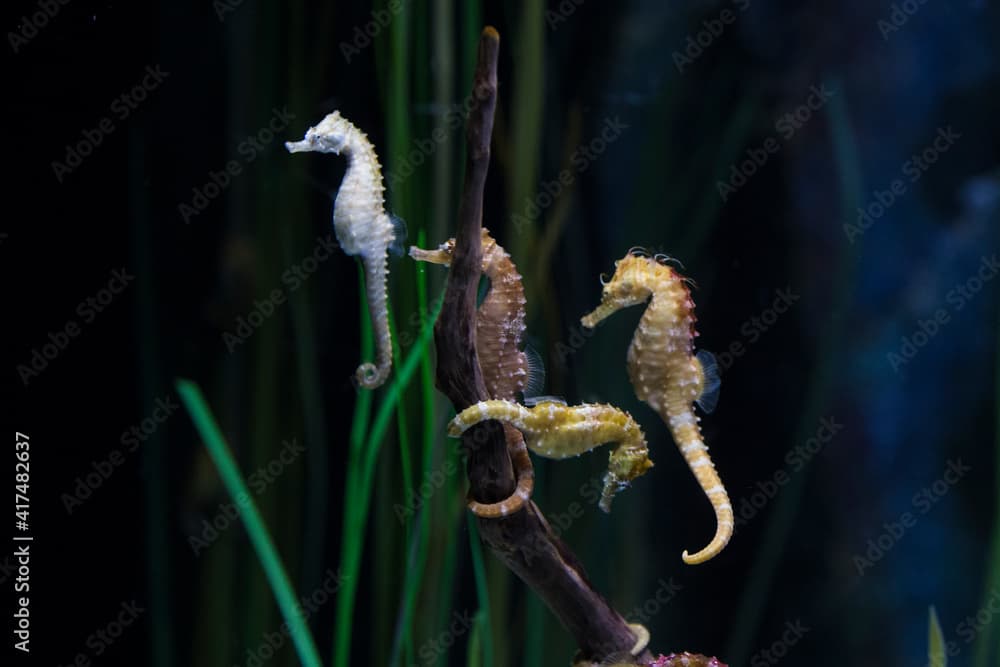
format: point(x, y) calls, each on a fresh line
point(532, 401)
point(535, 384)
point(397, 247)
point(711, 382)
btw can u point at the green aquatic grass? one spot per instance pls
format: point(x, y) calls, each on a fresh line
point(386, 553)
point(315, 523)
point(482, 590)
point(474, 649)
point(361, 468)
point(775, 536)
point(418, 537)
point(154, 452)
point(986, 648)
point(267, 554)
point(407, 200)
point(525, 130)
point(448, 560)
point(936, 654)
point(363, 406)
point(706, 213)
point(350, 552)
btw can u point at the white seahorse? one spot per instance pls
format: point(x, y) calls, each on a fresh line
point(361, 224)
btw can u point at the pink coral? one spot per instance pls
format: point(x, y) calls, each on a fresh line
point(686, 660)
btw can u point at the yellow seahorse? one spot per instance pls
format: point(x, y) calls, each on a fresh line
point(361, 224)
point(664, 371)
point(555, 430)
point(499, 332)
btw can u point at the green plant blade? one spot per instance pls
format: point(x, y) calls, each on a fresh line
point(482, 591)
point(360, 484)
point(267, 554)
point(936, 656)
point(986, 647)
point(474, 651)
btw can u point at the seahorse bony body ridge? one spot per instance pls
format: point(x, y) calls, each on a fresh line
point(361, 224)
point(665, 373)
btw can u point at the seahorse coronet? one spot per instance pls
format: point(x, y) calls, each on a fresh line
point(361, 225)
point(664, 371)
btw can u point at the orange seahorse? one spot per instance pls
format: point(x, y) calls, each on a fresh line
point(361, 224)
point(555, 430)
point(499, 332)
point(664, 371)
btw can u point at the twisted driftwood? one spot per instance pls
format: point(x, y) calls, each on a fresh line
point(523, 541)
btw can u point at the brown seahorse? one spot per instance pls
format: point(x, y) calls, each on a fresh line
point(499, 331)
point(664, 371)
point(362, 226)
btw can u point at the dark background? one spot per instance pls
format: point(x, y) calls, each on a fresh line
point(860, 299)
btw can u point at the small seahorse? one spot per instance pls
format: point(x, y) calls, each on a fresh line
point(664, 371)
point(557, 431)
point(499, 331)
point(361, 224)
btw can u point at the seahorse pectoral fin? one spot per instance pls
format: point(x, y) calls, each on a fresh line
point(534, 401)
point(708, 368)
point(397, 247)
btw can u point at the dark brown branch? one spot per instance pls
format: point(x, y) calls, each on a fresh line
point(522, 541)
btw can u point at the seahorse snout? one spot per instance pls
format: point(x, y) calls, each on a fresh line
point(599, 314)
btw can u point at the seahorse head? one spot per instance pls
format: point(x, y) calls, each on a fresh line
point(442, 255)
point(636, 276)
point(330, 136)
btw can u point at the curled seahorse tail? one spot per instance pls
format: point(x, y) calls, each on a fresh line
point(703, 469)
point(372, 375)
point(525, 481)
point(723, 533)
point(612, 485)
point(504, 411)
